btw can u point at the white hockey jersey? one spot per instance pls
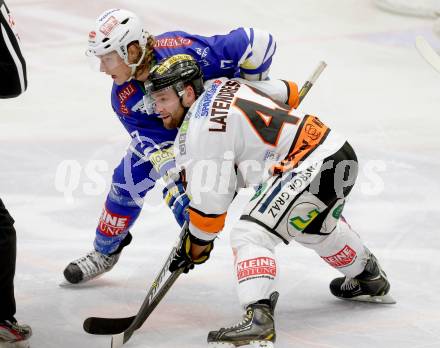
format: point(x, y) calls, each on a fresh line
point(250, 130)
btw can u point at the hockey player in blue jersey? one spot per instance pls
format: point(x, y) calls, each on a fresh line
point(124, 50)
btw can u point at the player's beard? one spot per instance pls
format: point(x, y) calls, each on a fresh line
point(175, 120)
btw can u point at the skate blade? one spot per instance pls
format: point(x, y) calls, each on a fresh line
point(65, 284)
point(82, 284)
point(385, 299)
point(118, 340)
point(252, 344)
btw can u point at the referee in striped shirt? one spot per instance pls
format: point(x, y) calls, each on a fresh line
point(13, 82)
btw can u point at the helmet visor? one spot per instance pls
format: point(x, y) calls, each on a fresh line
point(165, 99)
point(106, 62)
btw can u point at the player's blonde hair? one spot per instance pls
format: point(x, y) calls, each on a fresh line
point(147, 61)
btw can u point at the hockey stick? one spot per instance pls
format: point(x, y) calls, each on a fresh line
point(111, 326)
point(427, 52)
point(118, 340)
point(309, 83)
point(410, 8)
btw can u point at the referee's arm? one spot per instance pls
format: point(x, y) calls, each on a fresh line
point(13, 76)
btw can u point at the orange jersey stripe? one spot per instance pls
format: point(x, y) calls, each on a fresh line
point(311, 133)
point(293, 98)
point(209, 223)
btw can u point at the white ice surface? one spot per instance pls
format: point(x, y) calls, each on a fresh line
point(376, 89)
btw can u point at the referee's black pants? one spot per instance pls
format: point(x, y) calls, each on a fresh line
point(8, 250)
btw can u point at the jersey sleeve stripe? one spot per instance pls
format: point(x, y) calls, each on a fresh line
point(292, 94)
point(261, 69)
point(208, 223)
point(268, 49)
point(251, 36)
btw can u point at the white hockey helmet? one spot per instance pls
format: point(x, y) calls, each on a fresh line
point(114, 30)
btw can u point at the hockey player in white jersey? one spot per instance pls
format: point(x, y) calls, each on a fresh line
point(120, 46)
point(303, 172)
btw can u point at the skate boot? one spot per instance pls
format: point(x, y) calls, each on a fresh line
point(257, 329)
point(371, 285)
point(93, 264)
point(13, 334)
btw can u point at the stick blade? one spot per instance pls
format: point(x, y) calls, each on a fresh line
point(106, 326)
point(428, 53)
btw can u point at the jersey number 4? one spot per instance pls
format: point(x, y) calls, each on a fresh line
point(267, 122)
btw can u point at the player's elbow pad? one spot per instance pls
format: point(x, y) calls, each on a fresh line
point(256, 61)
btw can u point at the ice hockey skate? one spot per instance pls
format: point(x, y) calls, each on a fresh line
point(13, 334)
point(93, 265)
point(371, 285)
point(256, 330)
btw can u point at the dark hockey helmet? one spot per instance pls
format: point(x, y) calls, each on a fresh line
point(176, 72)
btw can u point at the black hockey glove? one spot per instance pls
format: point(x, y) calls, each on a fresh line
point(183, 258)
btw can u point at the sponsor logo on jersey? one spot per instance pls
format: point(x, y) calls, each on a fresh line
point(290, 186)
point(204, 104)
point(112, 224)
point(176, 41)
point(342, 258)
point(256, 268)
point(161, 158)
point(312, 131)
point(271, 156)
point(221, 104)
point(301, 216)
point(279, 203)
point(126, 92)
point(300, 223)
point(260, 189)
point(110, 24)
point(338, 211)
point(123, 108)
point(123, 95)
point(203, 53)
point(182, 134)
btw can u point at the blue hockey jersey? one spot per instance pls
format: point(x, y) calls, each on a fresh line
point(245, 52)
